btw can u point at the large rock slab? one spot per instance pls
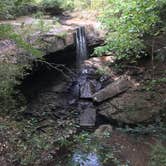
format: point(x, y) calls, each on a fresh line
point(86, 90)
point(87, 114)
point(103, 131)
point(46, 35)
point(132, 107)
point(113, 89)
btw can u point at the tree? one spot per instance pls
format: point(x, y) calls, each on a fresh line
point(127, 22)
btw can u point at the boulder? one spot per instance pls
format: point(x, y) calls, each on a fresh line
point(103, 131)
point(132, 107)
point(87, 114)
point(113, 89)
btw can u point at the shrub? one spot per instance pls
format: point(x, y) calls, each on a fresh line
point(9, 9)
point(56, 6)
point(9, 74)
point(158, 156)
point(127, 22)
point(90, 4)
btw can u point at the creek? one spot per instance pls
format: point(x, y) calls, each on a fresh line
point(52, 96)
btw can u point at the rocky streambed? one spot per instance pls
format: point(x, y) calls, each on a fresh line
point(87, 115)
point(76, 120)
point(84, 117)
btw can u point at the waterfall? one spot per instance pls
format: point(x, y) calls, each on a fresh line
point(83, 85)
point(81, 46)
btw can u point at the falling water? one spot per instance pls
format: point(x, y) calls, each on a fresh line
point(81, 46)
point(83, 85)
point(82, 91)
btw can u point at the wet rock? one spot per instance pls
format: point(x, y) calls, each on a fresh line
point(103, 131)
point(52, 42)
point(59, 87)
point(95, 37)
point(117, 87)
point(87, 114)
point(132, 107)
point(89, 82)
point(87, 90)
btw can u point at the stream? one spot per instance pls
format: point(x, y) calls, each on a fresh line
point(51, 96)
point(82, 159)
point(82, 111)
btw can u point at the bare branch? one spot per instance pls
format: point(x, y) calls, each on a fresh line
point(58, 67)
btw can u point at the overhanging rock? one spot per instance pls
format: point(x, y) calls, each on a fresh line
point(55, 39)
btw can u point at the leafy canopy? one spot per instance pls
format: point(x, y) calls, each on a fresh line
point(127, 22)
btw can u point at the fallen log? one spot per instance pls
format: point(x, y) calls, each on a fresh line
point(119, 86)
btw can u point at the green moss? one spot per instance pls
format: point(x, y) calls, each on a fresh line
point(9, 78)
point(158, 156)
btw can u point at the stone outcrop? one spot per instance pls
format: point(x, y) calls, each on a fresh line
point(132, 107)
point(49, 39)
point(103, 131)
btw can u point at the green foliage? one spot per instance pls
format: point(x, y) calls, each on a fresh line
point(51, 3)
point(90, 4)
point(127, 22)
point(56, 4)
point(8, 80)
point(7, 32)
point(151, 84)
point(10, 74)
point(158, 156)
point(102, 71)
point(11, 8)
point(158, 130)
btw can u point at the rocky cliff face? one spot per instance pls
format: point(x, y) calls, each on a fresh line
point(47, 36)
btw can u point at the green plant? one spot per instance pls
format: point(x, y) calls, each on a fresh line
point(9, 9)
point(56, 4)
point(158, 155)
point(127, 22)
point(7, 32)
point(102, 71)
point(12, 73)
point(150, 85)
point(38, 15)
point(9, 74)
